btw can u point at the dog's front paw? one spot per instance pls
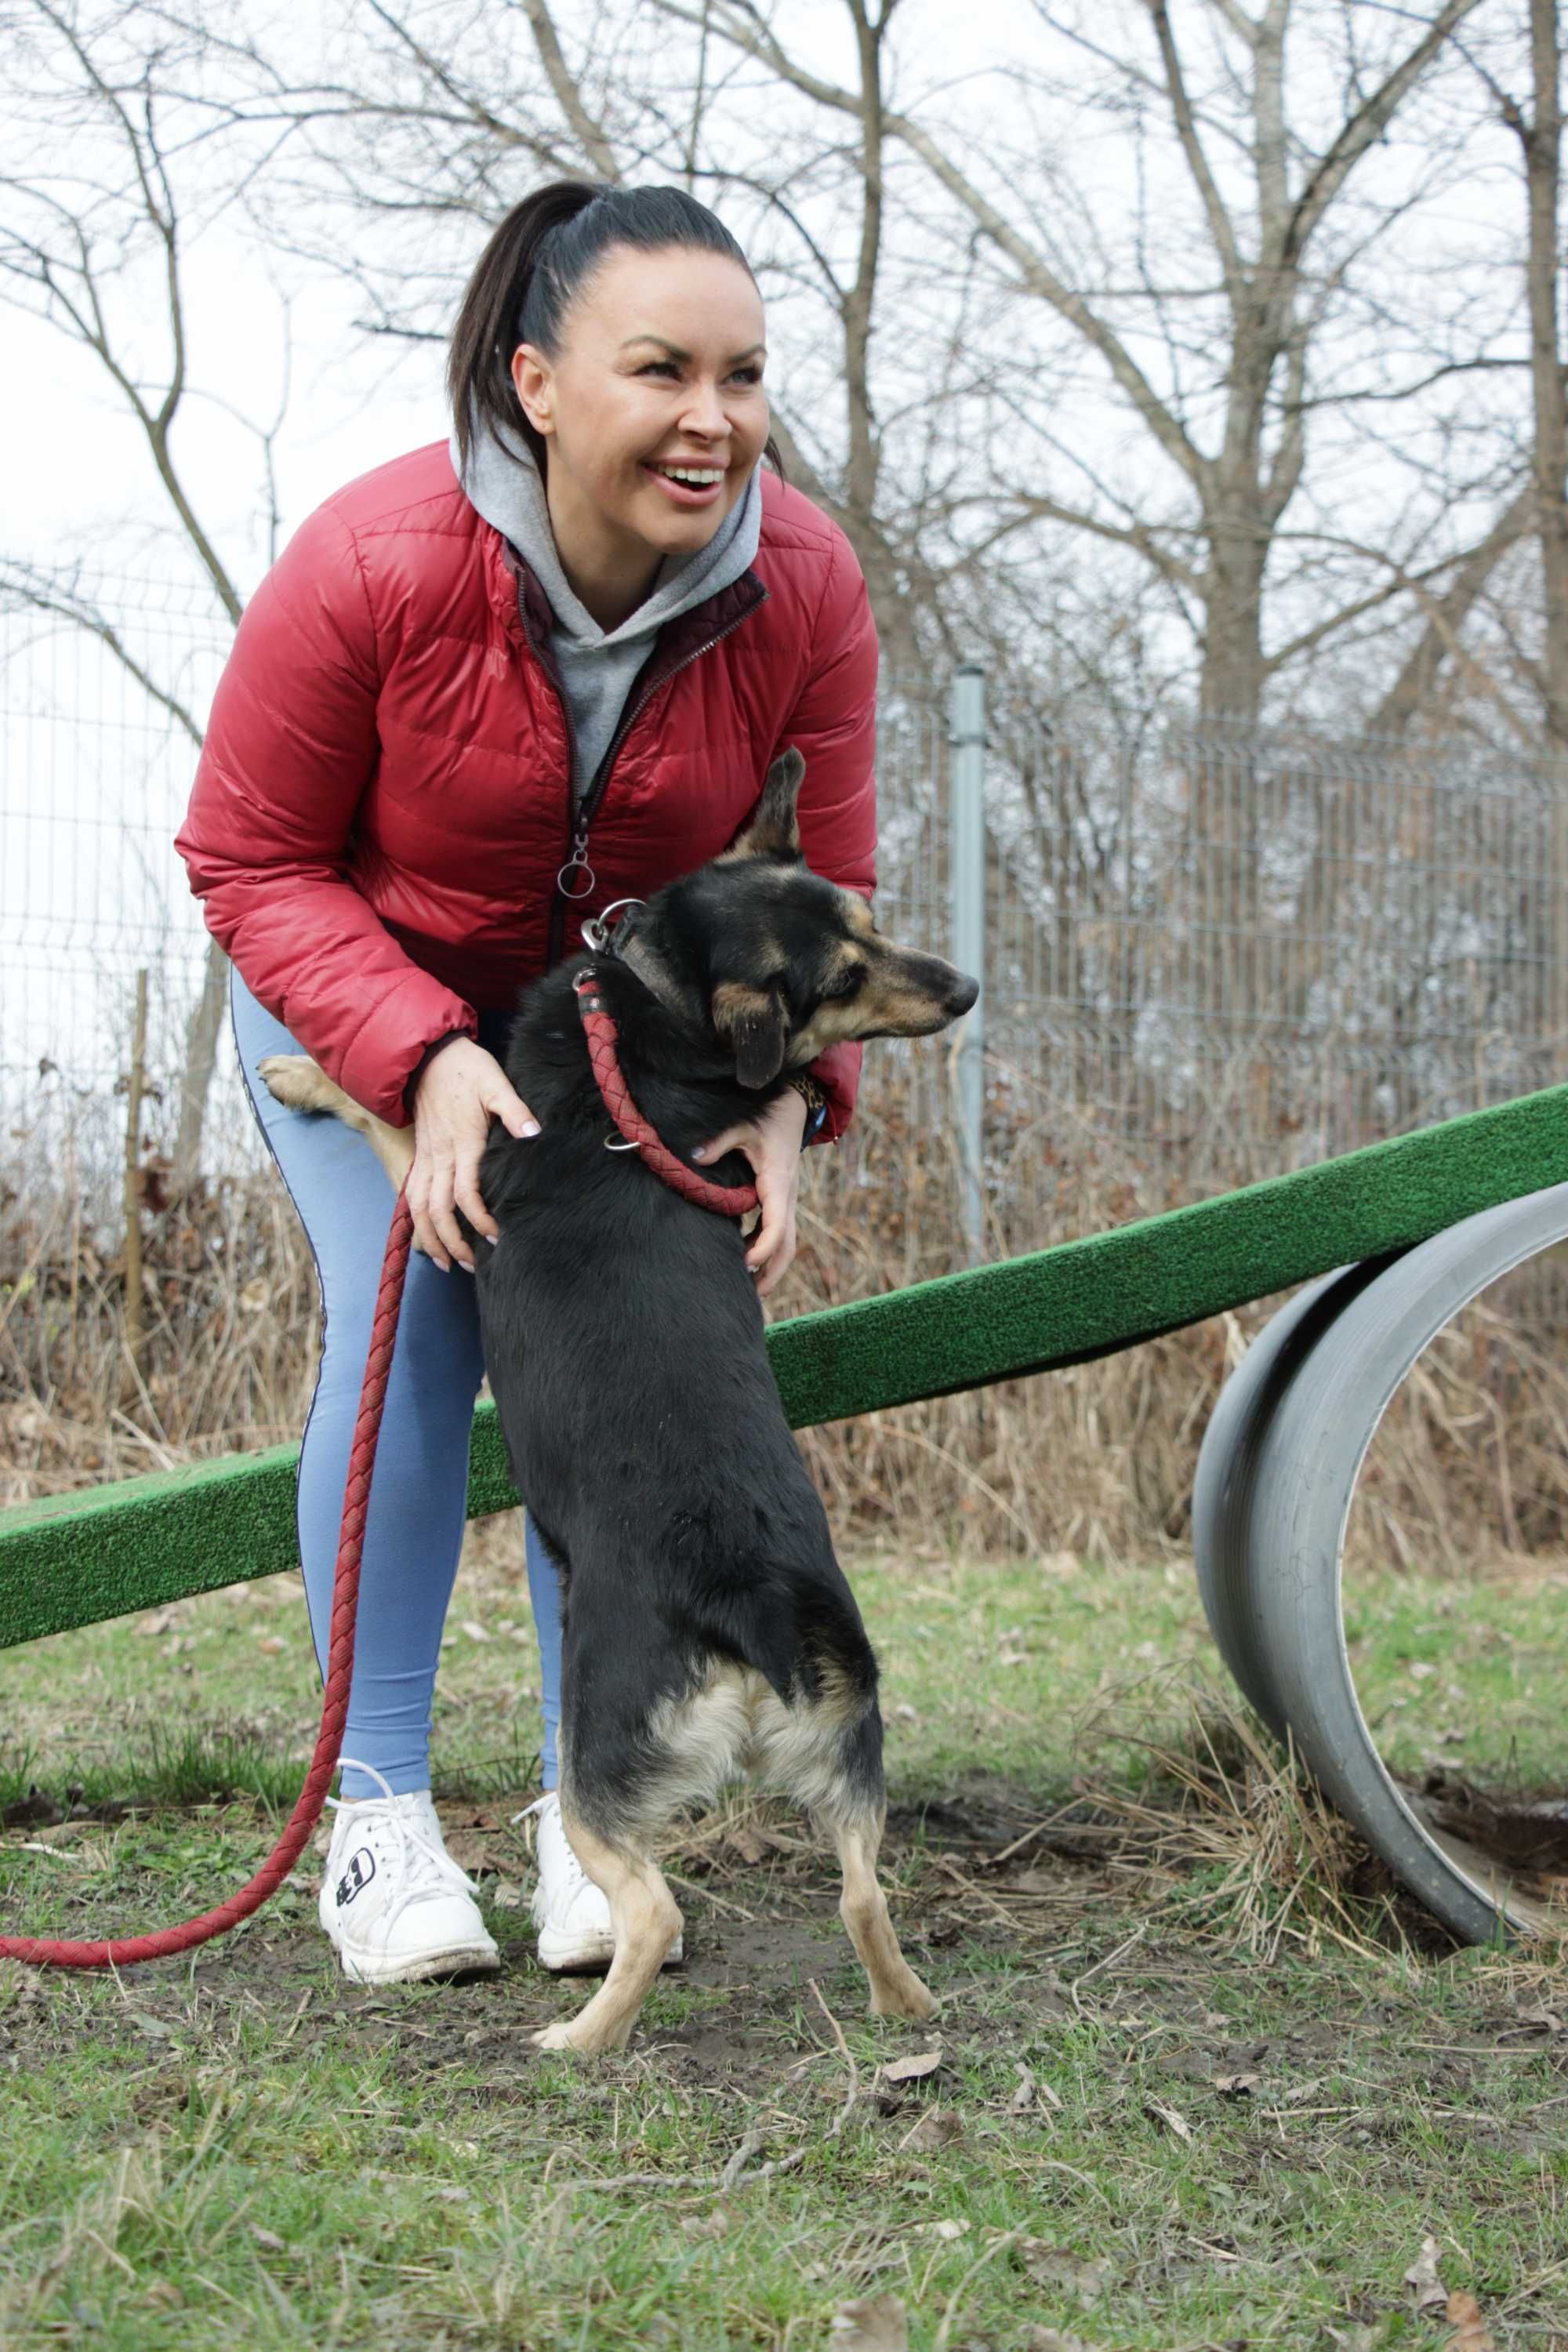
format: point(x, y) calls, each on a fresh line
point(553, 2037)
point(294, 1080)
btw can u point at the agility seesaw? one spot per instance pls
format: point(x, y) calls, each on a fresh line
point(1393, 1240)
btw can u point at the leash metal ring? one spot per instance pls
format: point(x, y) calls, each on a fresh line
point(594, 932)
point(585, 875)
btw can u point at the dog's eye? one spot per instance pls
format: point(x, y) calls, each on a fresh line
point(846, 985)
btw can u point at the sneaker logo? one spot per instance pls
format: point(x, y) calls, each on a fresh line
point(356, 1877)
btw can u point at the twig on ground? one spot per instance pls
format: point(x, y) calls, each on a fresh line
point(842, 2118)
point(1110, 1958)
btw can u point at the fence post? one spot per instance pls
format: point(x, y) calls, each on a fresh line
point(135, 1089)
point(966, 868)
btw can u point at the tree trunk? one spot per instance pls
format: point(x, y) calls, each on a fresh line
point(1542, 154)
point(202, 1032)
point(1233, 672)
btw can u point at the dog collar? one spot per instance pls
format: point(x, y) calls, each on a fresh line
point(599, 1028)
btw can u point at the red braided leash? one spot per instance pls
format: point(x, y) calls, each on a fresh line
point(727, 1200)
point(43, 1951)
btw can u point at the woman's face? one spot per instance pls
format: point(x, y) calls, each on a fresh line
point(653, 410)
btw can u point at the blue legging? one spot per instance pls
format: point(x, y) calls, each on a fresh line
point(414, 1529)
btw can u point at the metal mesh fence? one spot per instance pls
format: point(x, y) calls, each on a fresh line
point(1214, 950)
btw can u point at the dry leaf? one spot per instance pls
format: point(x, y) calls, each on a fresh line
point(1423, 2281)
point(474, 1630)
point(939, 2127)
point(911, 2069)
point(1235, 2086)
point(869, 2325)
point(268, 2239)
point(507, 1895)
point(709, 2225)
point(271, 1644)
point(746, 1844)
point(1056, 2266)
point(948, 2229)
point(1051, 2339)
point(1024, 2095)
point(1169, 2117)
point(1471, 2333)
point(472, 1851)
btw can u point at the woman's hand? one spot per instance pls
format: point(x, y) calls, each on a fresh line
point(772, 1143)
point(463, 1089)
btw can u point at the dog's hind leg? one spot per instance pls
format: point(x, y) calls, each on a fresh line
point(896, 1991)
point(646, 1920)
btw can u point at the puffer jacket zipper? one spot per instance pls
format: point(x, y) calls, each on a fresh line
point(580, 818)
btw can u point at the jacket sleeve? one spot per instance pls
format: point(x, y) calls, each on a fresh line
point(833, 727)
point(289, 750)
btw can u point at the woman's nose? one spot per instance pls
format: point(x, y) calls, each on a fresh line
point(704, 412)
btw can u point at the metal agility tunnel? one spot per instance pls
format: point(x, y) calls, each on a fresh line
point(1393, 1240)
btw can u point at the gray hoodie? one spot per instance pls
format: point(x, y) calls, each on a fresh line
point(598, 666)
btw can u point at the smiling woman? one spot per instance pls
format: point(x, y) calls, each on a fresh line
point(486, 691)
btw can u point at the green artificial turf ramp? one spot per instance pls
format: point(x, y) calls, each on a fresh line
point(77, 1557)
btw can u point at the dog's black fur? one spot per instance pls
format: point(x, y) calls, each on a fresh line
point(707, 1627)
point(624, 1339)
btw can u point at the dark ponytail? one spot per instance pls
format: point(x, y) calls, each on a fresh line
point(530, 273)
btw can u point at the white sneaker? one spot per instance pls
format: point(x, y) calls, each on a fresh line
point(572, 1915)
point(393, 1903)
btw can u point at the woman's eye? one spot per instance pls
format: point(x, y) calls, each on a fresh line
point(747, 375)
point(660, 367)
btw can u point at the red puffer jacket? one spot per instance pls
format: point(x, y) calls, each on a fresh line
point(382, 805)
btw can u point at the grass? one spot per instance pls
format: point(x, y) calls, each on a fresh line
point(1149, 2127)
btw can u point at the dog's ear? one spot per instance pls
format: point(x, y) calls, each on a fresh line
point(772, 831)
point(752, 1021)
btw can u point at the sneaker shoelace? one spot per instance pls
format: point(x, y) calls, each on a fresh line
point(575, 1874)
point(426, 1866)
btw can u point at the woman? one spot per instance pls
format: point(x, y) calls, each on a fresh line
point(487, 690)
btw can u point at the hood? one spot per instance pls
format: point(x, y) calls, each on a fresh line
point(503, 483)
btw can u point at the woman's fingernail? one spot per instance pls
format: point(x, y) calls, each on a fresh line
point(492, 1239)
point(531, 1127)
point(701, 1152)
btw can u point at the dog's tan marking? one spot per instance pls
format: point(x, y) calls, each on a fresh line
point(892, 1003)
point(857, 913)
point(645, 1918)
point(896, 1991)
point(296, 1080)
point(773, 830)
point(735, 1000)
point(733, 1725)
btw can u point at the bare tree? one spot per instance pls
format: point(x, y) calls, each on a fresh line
point(1540, 136)
point(1212, 325)
point(96, 211)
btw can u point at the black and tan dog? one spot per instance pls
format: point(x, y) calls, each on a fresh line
point(708, 1629)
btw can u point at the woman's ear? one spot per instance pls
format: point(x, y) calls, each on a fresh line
point(753, 1022)
point(533, 381)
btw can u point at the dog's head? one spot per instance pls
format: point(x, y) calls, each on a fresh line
point(777, 963)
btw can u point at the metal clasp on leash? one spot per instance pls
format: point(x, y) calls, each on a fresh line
point(595, 930)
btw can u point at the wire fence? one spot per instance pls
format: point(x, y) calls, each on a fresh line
point(1211, 951)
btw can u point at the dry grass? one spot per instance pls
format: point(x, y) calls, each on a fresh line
point(1214, 1794)
point(1225, 1828)
point(1098, 1459)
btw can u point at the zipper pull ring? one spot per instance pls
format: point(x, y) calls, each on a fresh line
point(576, 878)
